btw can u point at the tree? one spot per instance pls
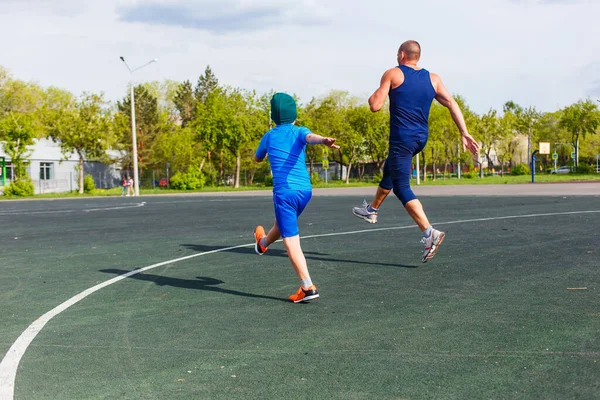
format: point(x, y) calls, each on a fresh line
point(165, 93)
point(83, 127)
point(207, 84)
point(147, 122)
point(329, 119)
point(580, 119)
point(20, 103)
point(185, 103)
point(361, 125)
point(228, 120)
point(377, 138)
point(489, 133)
point(523, 122)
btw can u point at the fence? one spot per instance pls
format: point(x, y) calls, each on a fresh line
point(69, 181)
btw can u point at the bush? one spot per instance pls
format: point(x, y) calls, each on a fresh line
point(520, 169)
point(268, 180)
point(193, 179)
point(314, 177)
point(88, 184)
point(470, 175)
point(585, 169)
point(22, 187)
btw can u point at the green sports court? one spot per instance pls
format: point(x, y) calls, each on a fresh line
point(163, 297)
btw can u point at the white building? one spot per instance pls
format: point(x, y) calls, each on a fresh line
point(52, 172)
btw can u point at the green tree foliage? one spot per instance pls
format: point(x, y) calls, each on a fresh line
point(207, 84)
point(580, 119)
point(523, 121)
point(20, 123)
point(185, 103)
point(228, 119)
point(82, 127)
point(147, 121)
point(209, 133)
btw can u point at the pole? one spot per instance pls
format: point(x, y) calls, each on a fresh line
point(577, 155)
point(136, 184)
point(458, 153)
point(532, 165)
point(153, 181)
point(418, 172)
point(529, 142)
point(481, 167)
point(168, 180)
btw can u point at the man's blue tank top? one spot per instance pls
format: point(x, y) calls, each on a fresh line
point(409, 106)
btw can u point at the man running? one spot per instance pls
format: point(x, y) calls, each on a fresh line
point(411, 90)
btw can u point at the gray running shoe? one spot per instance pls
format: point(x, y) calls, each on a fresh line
point(432, 244)
point(364, 213)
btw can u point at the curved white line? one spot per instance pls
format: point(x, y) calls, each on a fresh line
point(10, 362)
point(132, 205)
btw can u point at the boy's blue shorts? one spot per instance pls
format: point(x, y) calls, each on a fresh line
point(288, 207)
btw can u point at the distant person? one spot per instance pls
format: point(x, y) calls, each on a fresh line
point(124, 190)
point(286, 144)
point(130, 186)
point(411, 91)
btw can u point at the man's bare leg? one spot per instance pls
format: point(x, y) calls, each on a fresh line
point(432, 238)
point(415, 210)
point(380, 196)
point(368, 212)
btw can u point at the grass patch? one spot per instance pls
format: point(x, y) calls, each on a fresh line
point(488, 180)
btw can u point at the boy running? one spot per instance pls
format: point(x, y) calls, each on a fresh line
point(285, 144)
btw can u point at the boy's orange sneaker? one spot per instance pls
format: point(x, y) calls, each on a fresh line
point(305, 294)
point(259, 233)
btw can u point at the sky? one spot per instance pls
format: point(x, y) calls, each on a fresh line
point(542, 53)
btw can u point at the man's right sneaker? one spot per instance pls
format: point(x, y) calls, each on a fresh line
point(364, 213)
point(432, 244)
point(303, 295)
point(259, 234)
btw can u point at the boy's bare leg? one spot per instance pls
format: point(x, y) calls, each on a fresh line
point(273, 234)
point(292, 245)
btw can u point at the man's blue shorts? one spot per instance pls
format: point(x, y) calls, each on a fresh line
point(397, 168)
point(289, 205)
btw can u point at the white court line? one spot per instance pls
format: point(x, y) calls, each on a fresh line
point(125, 206)
point(10, 362)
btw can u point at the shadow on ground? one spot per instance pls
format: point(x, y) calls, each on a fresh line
point(310, 255)
point(200, 283)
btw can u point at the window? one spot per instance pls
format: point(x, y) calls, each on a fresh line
point(45, 171)
point(9, 171)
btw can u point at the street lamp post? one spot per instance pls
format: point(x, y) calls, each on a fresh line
point(136, 182)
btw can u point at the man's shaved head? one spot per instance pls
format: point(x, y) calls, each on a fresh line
point(411, 49)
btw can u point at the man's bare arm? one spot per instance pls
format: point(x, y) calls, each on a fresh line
point(445, 98)
point(377, 99)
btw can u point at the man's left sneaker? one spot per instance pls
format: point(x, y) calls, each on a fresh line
point(259, 234)
point(364, 213)
point(432, 244)
point(305, 294)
